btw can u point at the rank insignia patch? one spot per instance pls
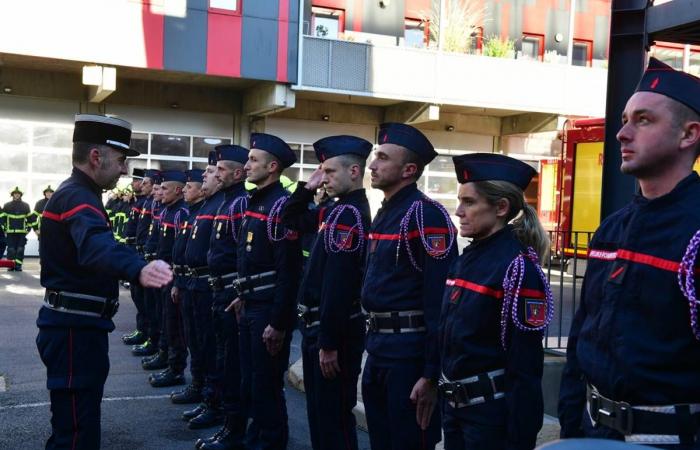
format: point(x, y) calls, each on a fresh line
point(534, 312)
point(344, 239)
point(436, 242)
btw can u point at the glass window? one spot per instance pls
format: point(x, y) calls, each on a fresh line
point(53, 162)
point(694, 66)
point(582, 53)
point(170, 145)
point(327, 22)
point(532, 46)
point(7, 185)
point(14, 159)
point(133, 163)
point(414, 33)
point(203, 145)
point(169, 165)
point(53, 137)
point(296, 148)
point(441, 163)
point(14, 134)
point(139, 142)
point(671, 56)
point(442, 185)
point(199, 165)
point(310, 155)
point(229, 5)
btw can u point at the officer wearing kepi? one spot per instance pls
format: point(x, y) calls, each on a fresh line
point(633, 355)
point(222, 266)
point(207, 414)
point(81, 268)
point(411, 245)
point(194, 197)
point(269, 268)
point(332, 324)
point(496, 304)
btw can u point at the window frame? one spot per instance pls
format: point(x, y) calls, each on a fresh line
point(420, 23)
point(589, 50)
point(227, 12)
point(315, 12)
point(540, 43)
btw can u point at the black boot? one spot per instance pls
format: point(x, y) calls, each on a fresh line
point(203, 441)
point(135, 338)
point(191, 394)
point(229, 437)
point(145, 349)
point(160, 361)
point(168, 378)
point(192, 413)
point(210, 417)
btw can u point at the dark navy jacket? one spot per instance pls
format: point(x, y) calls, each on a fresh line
point(227, 223)
point(79, 253)
point(172, 217)
point(144, 222)
point(134, 216)
point(470, 334)
point(180, 244)
point(393, 284)
point(332, 281)
point(151, 245)
point(198, 243)
point(631, 337)
point(258, 254)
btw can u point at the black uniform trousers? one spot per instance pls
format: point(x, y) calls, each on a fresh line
point(480, 426)
point(153, 300)
point(137, 295)
point(227, 377)
point(15, 248)
point(329, 403)
point(391, 416)
point(77, 364)
point(173, 335)
point(262, 380)
point(190, 334)
point(206, 342)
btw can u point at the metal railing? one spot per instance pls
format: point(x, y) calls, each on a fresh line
point(564, 269)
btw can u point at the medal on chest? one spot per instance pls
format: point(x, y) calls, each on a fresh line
point(249, 241)
point(218, 230)
point(184, 228)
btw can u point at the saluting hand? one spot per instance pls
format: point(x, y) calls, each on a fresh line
point(315, 179)
point(328, 360)
point(424, 396)
point(273, 340)
point(155, 274)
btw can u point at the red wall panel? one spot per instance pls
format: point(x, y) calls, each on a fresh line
point(282, 40)
point(152, 37)
point(224, 45)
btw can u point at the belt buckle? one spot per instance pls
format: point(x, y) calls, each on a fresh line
point(453, 391)
point(371, 323)
point(52, 298)
point(301, 311)
point(623, 418)
point(109, 309)
point(237, 286)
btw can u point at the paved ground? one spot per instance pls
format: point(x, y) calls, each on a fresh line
point(135, 415)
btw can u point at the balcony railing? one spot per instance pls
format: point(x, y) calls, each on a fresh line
point(450, 78)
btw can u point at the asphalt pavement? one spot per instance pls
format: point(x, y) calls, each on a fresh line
point(134, 415)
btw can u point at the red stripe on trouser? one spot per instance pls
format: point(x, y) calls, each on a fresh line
point(75, 422)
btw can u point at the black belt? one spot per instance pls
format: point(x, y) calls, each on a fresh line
point(150, 256)
point(396, 322)
point(223, 282)
point(641, 424)
point(311, 316)
point(198, 272)
point(130, 240)
point(81, 304)
point(473, 390)
point(250, 284)
point(180, 270)
point(139, 248)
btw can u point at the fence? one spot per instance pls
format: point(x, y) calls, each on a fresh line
point(564, 269)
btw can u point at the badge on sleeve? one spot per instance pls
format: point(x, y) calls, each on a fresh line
point(535, 312)
point(344, 239)
point(436, 242)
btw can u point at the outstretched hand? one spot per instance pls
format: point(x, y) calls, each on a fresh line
point(155, 274)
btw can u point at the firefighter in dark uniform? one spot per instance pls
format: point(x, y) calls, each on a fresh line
point(39, 209)
point(81, 267)
point(174, 212)
point(153, 347)
point(496, 304)
point(194, 197)
point(333, 326)
point(138, 336)
point(633, 355)
point(222, 266)
point(142, 226)
point(411, 245)
point(269, 269)
point(18, 221)
point(208, 413)
point(3, 238)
